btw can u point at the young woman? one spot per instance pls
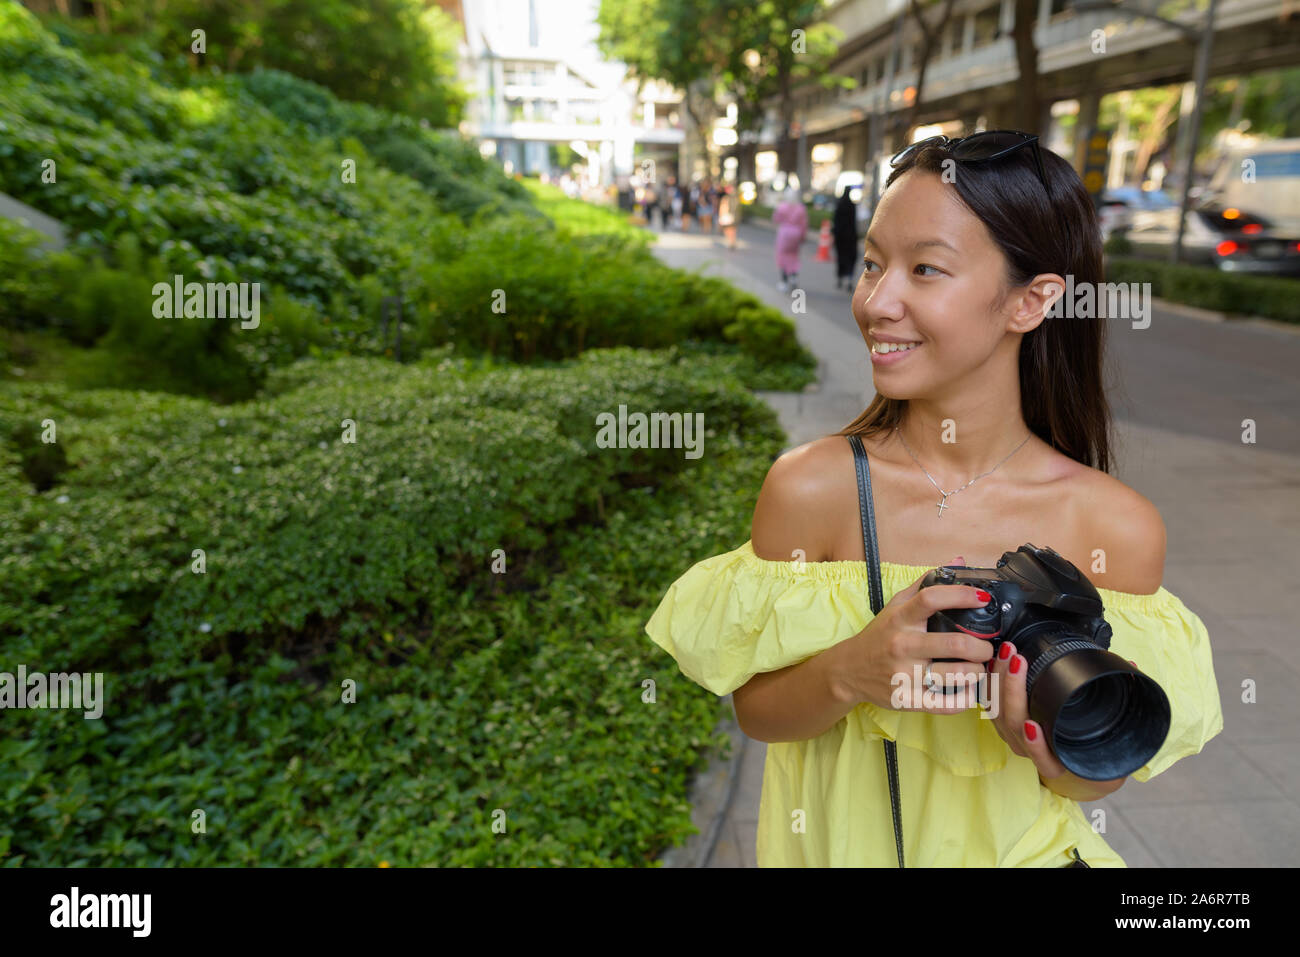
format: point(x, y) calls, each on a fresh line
point(791, 220)
point(990, 431)
point(727, 216)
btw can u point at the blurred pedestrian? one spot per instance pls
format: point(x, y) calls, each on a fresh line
point(791, 219)
point(677, 203)
point(648, 204)
point(706, 207)
point(844, 227)
point(690, 200)
point(727, 216)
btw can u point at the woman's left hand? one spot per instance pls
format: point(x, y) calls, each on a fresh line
point(1024, 735)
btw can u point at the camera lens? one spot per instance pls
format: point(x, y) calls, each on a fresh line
point(1094, 711)
point(1103, 718)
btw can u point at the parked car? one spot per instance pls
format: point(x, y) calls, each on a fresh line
point(1115, 207)
point(1226, 238)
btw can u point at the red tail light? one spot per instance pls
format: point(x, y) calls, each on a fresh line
point(1226, 248)
point(1252, 228)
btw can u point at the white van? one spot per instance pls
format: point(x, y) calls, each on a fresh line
point(1264, 179)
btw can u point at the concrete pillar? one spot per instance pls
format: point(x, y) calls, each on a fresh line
point(804, 167)
point(853, 139)
point(1089, 108)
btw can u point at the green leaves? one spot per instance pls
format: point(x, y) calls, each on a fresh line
point(519, 692)
point(238, 179)
point(329, 561)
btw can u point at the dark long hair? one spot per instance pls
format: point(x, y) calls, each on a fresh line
point(1062, 396)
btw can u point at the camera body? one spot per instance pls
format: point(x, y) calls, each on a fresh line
point(1102, 717)
point(1034, 590)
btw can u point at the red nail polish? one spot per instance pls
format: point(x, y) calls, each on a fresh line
point(1015, 664)
point(1030, 731)
point(983, 595)
point(1005, 651)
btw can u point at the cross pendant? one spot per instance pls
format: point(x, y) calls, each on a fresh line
point(942, 506)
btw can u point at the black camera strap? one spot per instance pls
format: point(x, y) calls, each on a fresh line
point(876, 592)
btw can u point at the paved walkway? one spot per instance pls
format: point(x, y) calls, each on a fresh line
point(1230, 509)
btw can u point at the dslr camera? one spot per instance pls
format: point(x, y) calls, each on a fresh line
point(1103, 718)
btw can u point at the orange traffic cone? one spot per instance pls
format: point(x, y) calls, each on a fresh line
point(824, 242)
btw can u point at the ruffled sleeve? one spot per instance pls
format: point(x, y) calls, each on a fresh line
point(735, 615)
point(732, 616)
point(1168, 643)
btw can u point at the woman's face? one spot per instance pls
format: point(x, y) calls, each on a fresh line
point(951, 299)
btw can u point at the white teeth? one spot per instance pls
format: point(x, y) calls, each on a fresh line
point(880, 348)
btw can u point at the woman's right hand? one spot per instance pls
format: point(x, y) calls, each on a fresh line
point(896, 643)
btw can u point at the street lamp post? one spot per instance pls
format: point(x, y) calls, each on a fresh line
point(1202, 71)
point(1205, 43)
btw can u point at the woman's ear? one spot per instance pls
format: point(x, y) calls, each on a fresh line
point(1036, 301)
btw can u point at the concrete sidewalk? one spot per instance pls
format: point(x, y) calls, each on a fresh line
point(1230, 510)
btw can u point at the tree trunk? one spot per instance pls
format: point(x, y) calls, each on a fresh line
point(746, 171)
point(786, 146)
point(930, 37)
point(1028, 111)
point(700, 130)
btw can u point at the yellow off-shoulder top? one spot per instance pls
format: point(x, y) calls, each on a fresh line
point(967, 799)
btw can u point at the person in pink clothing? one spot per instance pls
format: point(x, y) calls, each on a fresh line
point(791, 220)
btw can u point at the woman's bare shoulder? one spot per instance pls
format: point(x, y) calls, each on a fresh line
point(796, 505)
point(1119, 530)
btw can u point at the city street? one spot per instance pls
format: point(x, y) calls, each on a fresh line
point(1180, 390)
point(1188, 376)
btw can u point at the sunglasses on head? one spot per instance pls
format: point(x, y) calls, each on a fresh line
point(978, 147)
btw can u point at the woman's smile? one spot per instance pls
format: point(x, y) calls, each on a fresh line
point(891, 353)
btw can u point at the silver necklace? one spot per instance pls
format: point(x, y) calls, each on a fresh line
point(943, 501)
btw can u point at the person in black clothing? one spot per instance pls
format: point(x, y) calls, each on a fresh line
point(844, 227)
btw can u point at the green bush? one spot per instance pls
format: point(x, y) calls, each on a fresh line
point(1117, 244)
point(763, 334)
point(525, 292)
point(1273, 297)
point(369, 562)
point(451, 168)
point(29, 275)
point(582, 218)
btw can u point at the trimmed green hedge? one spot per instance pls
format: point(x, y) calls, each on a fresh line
point(582, 218)
point(371, 561)
point(1272, 297)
